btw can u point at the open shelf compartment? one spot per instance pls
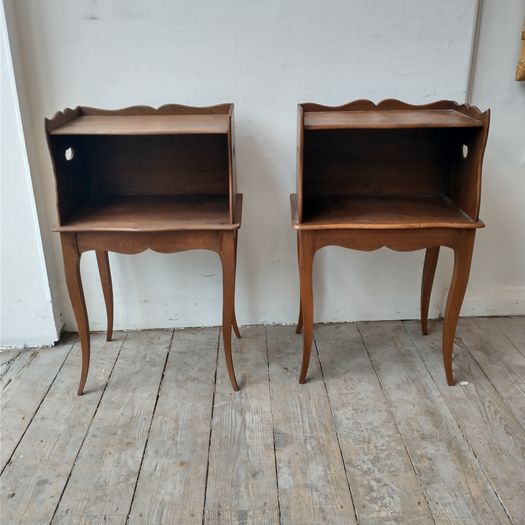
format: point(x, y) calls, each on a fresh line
point(154, 213)
point(383, 212)
point(389, 166)
point(144, 169)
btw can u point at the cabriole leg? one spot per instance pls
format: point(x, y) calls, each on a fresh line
point(429, 271)
point(300, 320)
point(234, 320)
point(462, 260)
point(107, 288)
point(76, 294)
point(227, 255)
point(306, 258)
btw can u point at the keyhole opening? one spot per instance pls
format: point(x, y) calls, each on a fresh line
point(69, 154)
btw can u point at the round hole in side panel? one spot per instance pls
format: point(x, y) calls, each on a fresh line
point(69, 153)
point(464, 151)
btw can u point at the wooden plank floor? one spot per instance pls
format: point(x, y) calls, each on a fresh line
point(374, 437)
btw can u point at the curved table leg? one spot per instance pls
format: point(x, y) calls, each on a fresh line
point(76, 295)
point(299, 327)
point(462, 260)
point(227, 255)
point(235, 326)
point(307, 254)
point(107, 288)
point(429, 271)
point(234, 319)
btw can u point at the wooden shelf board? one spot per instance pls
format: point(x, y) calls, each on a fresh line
point(381, 212)
point(145, 125)
point(388, 119)
point(154, 213)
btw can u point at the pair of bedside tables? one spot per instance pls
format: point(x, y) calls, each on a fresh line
point(393, 174)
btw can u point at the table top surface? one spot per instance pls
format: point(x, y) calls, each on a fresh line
point(388, 119)
point(145, 125)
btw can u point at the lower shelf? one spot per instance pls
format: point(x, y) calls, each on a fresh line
point(154, 213)
point(381, 212)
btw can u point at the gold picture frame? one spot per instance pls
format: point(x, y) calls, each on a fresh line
point(520, 68)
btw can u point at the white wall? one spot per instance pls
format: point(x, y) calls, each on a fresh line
point(265, 57)
point(26, 311)
point(497, 284)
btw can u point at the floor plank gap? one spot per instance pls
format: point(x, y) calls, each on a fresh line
point(33, 414)
point(336, 434)
point(114, 445)
point(149, 428)
point(444, 462)
point(374, 437)
point(273, 427)
point(461, 344)
point(459, 425)
point(87, 430)
point(7, 358)
point(211, 428)
point(392, 414)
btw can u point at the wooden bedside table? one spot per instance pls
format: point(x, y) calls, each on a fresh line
point(396, 175)
point(143, 178)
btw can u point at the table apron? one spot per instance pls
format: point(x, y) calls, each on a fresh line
point(398, 240)
point(163, 242)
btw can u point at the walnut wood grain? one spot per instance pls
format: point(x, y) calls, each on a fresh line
point(389, 174)
point(396, 105)
point(227, 256)
point(67, 115)
point(172, 151)
point(456, 293)
point(382, 212)
point(387, 119)
point(299, 327)
point(144, 125)
point(429, 271)
point(306, 260)
point(154, 214)
point(142, 178)
point(71, 257)
point(223, 242)
point(235, 326)
point(107, 289)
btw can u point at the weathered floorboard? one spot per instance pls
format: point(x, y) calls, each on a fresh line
point(489, 426)
point(161, 438)
point(172, 479)
point(242, 486)
point(33, 482)
point(103, 479)
point(499, 358)
point(7, 358)
point(383, 482)
point(313, 487)
point(513, 328)
point(441, 457)
point(22, 389)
